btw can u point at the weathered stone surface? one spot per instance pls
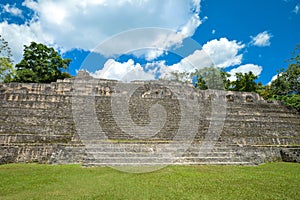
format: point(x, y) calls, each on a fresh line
point(290, 154)
point(37, 124)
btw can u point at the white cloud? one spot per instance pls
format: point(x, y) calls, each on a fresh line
point(220, 53)
point(296, 9)
point(213, 31)
point(255, 69)
point(86, 23)
point(147, 42)
point(127, 71)
point(12, 9)
point(261, 39)
point(19, 35)
point(152, 54)
point(223, 52)
point(198, 60)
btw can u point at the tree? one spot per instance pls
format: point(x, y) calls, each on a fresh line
point(225, 78)
point(293, 78)
point(6, 66)
point(245, 82)
point(210, 78)
point(183, 77)
point(41, 64)
point(279, 85)
point(288, 81)
point(286, 87)
point(265, 91)
point(201, 84)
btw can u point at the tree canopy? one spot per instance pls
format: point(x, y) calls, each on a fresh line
point(245, 82)
point(216, 78)
point(288, 81)
point(6, 66)
point(286, 87)
point(209, 78)
point(41, 64)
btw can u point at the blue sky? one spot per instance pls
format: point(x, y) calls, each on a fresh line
point(239, 36)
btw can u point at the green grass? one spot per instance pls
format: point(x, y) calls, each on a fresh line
point(34, 181)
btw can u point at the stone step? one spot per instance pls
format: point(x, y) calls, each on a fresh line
point(166, 159)
point(141, 154)
point(95, 164)
point(263, 116)
point(136, 142)
point(34, 139)
point(33, 145)
point(36, 120)
point(51, 113)
point(160, 149)
point(30, 129)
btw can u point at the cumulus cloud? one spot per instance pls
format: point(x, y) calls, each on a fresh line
point(129, 71)
point(145, 42)
point(126, 71)
point(261, 39)
point(84, 24)
point(255, 69)
point(199, 59)
point(220, 53)
point(19, 35)
point(223, 52)
point(12, 9)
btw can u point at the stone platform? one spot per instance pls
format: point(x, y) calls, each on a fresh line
point(58, 123)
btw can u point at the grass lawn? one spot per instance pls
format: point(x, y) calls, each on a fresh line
point(34, 181)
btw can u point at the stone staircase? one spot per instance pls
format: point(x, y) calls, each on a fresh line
point(119, 154)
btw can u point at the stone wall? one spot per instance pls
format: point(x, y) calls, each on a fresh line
point(37, 123)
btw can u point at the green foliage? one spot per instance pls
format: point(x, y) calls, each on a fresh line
point(292, 75)
point(288, 81)
point(286, 87)
point(265, 91)
point(216, 78)
point(201, 84)
point(292, 100)
point(41, 64)
point(225, 78)
point(210, 78)
point(244, 82)
point(6, 66)
point(279, 85)
point(183, 77)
